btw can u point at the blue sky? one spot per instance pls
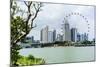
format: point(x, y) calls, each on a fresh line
point(53, 15)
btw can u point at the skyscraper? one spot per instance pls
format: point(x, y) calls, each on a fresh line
point(82, 37)
point(66, 31)
point(32, 39)
point(41, 33)
point(78, 37)
point(54, 35)
point(44, 35)
point(74, 34)
point(50, 36)
point(85, 36)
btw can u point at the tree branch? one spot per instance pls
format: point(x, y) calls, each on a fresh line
point(29, 14)
point(37, 10)
point(34, 18)
point(22, 36)
point(26, 3)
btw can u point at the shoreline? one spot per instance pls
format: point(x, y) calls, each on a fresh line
point(59, 46)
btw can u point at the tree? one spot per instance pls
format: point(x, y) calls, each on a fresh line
point(86, 42)
point(21, 25)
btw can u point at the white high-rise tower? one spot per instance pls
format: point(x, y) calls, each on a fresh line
point(66, 31)
point(44, 35)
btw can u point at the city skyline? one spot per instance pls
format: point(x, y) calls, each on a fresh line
point(69, 34)
point(54, 16)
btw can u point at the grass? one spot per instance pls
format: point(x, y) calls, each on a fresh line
point(30, 60)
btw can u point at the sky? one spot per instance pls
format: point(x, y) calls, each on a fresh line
point(53, 15)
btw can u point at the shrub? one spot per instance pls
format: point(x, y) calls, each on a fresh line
point(30, 60)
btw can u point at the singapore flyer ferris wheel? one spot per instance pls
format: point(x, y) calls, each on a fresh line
point(79, 21)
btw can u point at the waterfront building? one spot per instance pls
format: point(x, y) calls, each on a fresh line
point(44, 35)
point(54, 35)
point(74, 34)
point(85, 36)
point(78, 37)
point(50, 36)
point(29, 39)
point(66, 31)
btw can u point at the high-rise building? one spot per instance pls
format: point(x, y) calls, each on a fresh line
point(50, 36)
point(74, 34)
point(66, 31)
point(44, 35)
point(54, 35)
point(82, 37)
point(41, 37)
point(29, 39)
point(47, 36)
point(85, 36)
point(78, 37)
point(32, 38)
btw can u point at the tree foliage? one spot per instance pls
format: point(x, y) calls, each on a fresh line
point(21, 23)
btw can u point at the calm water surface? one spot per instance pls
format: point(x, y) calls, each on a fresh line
point(61, 54)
